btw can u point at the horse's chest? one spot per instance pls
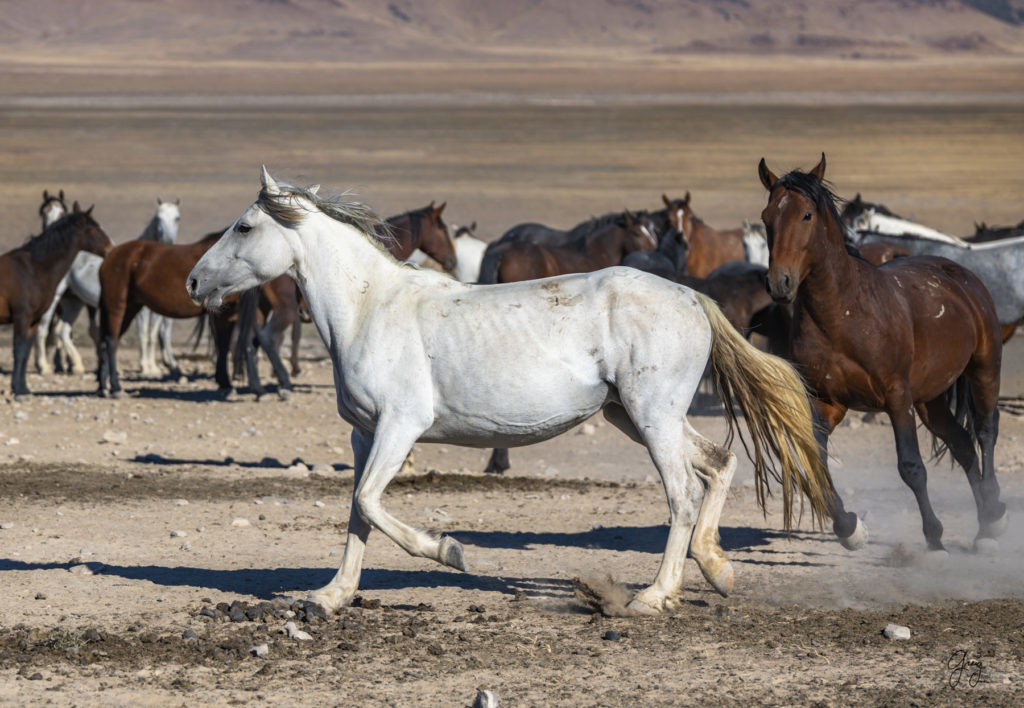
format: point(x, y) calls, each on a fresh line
point(834, 374)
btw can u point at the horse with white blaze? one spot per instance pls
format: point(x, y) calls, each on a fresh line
point(419, 356)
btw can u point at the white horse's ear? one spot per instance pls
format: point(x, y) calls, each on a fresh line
point(159, 201)
point(314, 188)
point(268, 182)
point(177, 202)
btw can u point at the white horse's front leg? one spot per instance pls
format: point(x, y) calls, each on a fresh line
point(166, 348)
point(391, 445)
point(342, 588)
point(64, 333)
point(43, 365)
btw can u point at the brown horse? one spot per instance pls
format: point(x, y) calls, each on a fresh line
point(264, 314)
point(918, 333)
point(423, 229)
point(139, 274)
point(602, 248)
point(709, 247)
point(30, 273)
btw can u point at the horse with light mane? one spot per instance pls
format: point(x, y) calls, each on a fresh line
point(709, 247)
point(420, 356)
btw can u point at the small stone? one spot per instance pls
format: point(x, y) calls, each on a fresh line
point(13, 441)
point(189, 634)
point(40, 595)
point(319, 504)
point(178, 534)
point(295, 633)
point(322, 468)
point(587, 429)
point(240, 522)
point(180, 502)
point(611, 636)
point(7, 525)
point(896, 631)
point(86, 569)
point(115, 437)
point(259, 650)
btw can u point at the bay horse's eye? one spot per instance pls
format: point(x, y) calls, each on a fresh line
point(244, 228)
point(807, 216)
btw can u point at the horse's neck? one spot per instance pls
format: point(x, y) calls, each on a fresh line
point(340, 274)
point(834, 277)
point(53, 266)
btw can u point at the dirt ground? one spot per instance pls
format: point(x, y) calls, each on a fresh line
point(132, 530)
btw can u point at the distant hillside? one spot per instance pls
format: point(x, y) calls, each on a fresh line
point(291, 31)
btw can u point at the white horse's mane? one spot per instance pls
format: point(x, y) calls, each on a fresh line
point(284, 204)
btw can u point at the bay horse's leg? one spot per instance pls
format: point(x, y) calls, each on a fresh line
point(23, 335)
point(848, 528)
point(498, 463)
point(938, 418)
point(267, 338)
point(296, 341)
point(912, 469)
point(343, 586)
point(113, 331)
point(222, 328)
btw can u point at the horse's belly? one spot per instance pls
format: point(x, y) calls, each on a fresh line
point(483, 419)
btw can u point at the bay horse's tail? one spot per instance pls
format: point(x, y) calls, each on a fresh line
point(489, 266)
point(774, 403)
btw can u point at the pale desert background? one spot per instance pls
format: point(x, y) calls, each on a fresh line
point(508, 111)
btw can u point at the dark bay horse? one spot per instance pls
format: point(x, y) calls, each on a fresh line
point(264, 314)
point(139, 274)
point(709, 247)
point(30, 273)
point(602, 248)
point(916, 334)
point(423, 229)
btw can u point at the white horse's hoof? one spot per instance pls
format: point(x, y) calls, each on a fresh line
point(857, 539)
point(642, 608)
point(452, 554)
point(330, 600)
point(986, 546)
point(723, 580)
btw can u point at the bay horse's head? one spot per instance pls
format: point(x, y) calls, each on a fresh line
point(680, 215)
point(52, 208)
point(801, 208)
point(640, 231)
point(77, 230)
point(429, 233)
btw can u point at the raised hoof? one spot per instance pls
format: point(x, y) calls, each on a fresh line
point(986, 546)
point(857, 539)
point(723, 580)
point(452, 554)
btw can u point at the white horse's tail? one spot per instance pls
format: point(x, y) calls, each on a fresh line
point(774, 403)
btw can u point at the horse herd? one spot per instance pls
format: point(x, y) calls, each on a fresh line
point(860, 310)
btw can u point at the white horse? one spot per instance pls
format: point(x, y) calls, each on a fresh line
point(872, 221)
point(80, 287)
point(420, 356)
point(469, 253)
point(755, 243)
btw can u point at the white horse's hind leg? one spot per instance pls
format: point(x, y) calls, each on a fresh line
point(43, 365)
point(147, 358)
point(343, 586)
point(64, 333)
point(715, 467)
point(163, 337)
point(671, 452)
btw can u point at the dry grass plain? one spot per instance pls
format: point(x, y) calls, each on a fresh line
point(501, 144)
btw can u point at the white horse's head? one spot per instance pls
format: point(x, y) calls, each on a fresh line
point(166, 220)
point(267, 239)
point(254, 249)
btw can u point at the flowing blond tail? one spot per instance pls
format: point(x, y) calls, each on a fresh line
point(774, 403)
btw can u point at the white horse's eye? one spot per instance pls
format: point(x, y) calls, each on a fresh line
point(243, 228)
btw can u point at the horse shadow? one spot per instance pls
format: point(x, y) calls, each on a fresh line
point(265, 462)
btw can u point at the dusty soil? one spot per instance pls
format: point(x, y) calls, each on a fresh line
point(805, 620)
point(803, 624)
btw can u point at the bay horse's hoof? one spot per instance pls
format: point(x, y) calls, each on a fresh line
point(21, 397)
point(118, 394)
point(857, 539)
point(986, 546)
point(452, 554)
point(284, 393)
point(935, 558)
point(998, 527)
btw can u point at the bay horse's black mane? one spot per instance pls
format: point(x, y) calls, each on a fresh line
point(817, 190)
point(57, 236)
